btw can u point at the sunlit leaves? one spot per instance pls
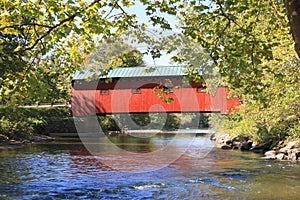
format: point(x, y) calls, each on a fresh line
point(56, 35)
point(237, 34)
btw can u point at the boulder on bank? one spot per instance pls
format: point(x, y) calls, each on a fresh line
point(40, 138)
point(287, 151)
point(226, 147)
point(280, 156)
point(222, 140)
point(225, 141)
point(273, 149)
point(271, 153)
point(297, 151)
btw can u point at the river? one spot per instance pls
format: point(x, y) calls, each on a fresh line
point(65, 169)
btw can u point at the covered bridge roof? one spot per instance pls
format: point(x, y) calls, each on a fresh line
point(133, 72)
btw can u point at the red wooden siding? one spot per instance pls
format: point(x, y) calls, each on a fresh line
point(90, 99)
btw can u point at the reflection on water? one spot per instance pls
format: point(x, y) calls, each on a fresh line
point(66, 170)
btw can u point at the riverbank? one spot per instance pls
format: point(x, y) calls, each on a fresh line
point(272, 149)
point(20, 125)
point(6, 143)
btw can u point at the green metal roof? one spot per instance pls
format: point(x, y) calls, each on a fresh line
point(130, 72)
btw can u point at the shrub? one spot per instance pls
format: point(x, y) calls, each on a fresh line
point(22, 122)
point(15, 129)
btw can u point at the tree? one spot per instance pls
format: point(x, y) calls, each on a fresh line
point(114, 53)
point(293, 13)
point(58, 34)
point(11, 65)
point(55, 37)
point(20, 81)
point(251, 45)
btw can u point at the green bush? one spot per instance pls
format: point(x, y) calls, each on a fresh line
point(23, 122)
point(262, 123)
point(108, 123)
point(15, 129)
point(294, 132)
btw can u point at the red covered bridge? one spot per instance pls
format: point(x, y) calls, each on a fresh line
point(137, 89)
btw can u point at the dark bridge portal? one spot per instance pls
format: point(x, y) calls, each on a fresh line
point(134, 90)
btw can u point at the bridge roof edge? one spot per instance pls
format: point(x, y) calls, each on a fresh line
point(131, 72)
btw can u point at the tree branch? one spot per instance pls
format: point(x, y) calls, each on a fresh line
point(69, 18)
point(232, 20)
point(125, 13)
point(24, 24)
point(111, 10)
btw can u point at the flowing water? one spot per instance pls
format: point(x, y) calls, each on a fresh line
point(64, 169)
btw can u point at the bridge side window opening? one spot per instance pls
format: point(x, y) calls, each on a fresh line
point(201, 88)
point(136, 90)
point(104, 92)
point(168, 90)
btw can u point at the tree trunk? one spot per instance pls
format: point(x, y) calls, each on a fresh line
point(293, 12)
